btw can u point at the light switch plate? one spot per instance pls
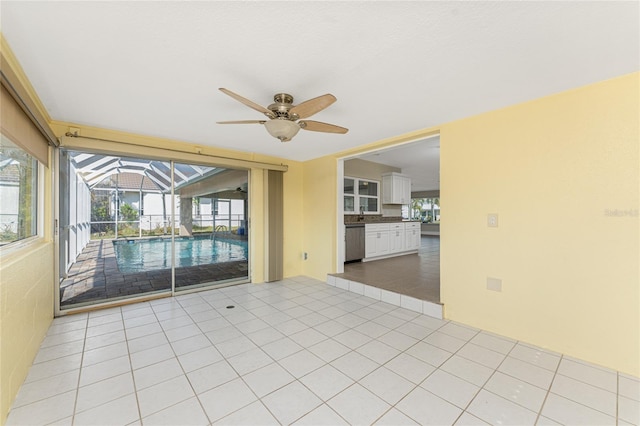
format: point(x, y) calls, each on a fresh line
point(492, 220)
point(494, 284)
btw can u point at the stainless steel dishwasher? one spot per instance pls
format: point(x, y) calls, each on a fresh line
point(354, 242)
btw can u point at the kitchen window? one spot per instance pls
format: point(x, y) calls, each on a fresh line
point(426, 210)
point(361, 195)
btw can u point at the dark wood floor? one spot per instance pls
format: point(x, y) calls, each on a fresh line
point(415, 275)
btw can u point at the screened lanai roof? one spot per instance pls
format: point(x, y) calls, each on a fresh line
point(95, 169)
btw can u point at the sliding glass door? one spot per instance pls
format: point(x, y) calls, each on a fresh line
point(133, 227)
point(212, 245)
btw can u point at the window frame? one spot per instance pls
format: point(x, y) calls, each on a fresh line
point(357, 196)
point(410, 210)
point(18, 245)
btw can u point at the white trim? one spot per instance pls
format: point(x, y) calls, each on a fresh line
point(40, 208)
point(387, 256)
point(356, 194)
point(15, 246)
point(172, 166)
point(340, 249)
point(55, 228)
point(424, 307)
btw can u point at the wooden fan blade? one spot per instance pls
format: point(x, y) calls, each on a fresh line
point(312, 106)
point(317, 126)
point(247, 102)
point(243, 122)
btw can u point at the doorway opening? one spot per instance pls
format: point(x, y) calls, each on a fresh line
point(393, 260)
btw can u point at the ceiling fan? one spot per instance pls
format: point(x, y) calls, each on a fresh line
point(286, 119)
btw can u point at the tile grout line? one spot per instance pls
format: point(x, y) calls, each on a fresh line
point(546, 396)
point(296, 379)
point(416, 386)
point(181, 366)
point(75, 401)
point(133, 376)
point(240, 376)
point(500, 396)
point(464, 410)
point(617, 397)
point(178, 359)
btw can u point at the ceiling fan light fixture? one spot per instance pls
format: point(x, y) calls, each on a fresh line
point(284, 130)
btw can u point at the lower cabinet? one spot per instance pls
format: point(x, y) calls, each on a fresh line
point(412, 236)
point(382, 239)
point(376, 240)
point(396, 237)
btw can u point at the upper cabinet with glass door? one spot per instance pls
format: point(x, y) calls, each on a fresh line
point(361, 195)
point(349, 195)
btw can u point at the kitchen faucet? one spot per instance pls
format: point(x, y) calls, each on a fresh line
point(361, 217)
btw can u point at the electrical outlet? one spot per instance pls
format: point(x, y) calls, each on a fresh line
point(492, 220)
point(494, 284)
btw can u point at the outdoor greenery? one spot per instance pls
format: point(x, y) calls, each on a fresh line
point(424, 209)
point(7, 234)
point(21, 167)
point(127, 230)
point(128, 213)
point(100, 212)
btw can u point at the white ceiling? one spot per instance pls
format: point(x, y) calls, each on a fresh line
point(153, 68)
point(419, 160)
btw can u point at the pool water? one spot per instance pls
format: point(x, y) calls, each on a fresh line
point(152, 254)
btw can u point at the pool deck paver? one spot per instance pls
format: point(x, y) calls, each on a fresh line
point(95, 276)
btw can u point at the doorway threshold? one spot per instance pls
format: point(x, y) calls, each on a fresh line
point(426, 307)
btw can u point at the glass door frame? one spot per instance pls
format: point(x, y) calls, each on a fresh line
point(171, 292)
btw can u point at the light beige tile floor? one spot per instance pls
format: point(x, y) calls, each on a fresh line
point(415, 275)
point(302, 352)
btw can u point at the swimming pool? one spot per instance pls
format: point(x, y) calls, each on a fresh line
point(152, 254)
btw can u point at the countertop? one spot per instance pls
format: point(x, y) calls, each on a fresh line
point(353, 219)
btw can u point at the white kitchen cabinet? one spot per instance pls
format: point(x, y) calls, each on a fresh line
point(396, 237)
point(391, 239)
point(412, 236)
point(361, 196)
point(396, 188)
point(376, 240)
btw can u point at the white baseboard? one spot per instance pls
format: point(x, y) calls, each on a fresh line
point(369, 259)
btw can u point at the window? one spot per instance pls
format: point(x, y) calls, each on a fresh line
point(18, 193)
point(426, 210)
point(361, 195)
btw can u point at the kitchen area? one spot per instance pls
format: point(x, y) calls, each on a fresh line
point(371, 235)
point(387, 245)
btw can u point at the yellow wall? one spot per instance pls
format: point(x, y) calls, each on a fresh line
point(319, 226)
point(550, 168)
point(26, 307)
point(293, 220)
